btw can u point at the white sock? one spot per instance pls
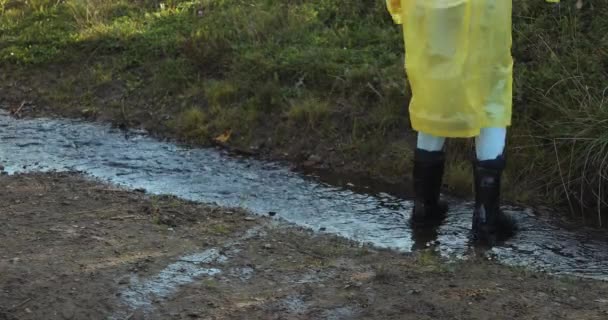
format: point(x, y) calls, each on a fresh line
point(429, 142)
point(490, 144)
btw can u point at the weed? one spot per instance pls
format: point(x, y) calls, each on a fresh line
point(387, 274)
point(192, 124)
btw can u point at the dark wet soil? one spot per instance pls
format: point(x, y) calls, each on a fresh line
point(76, 249)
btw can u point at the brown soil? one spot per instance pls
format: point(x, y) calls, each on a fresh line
point(71, 248)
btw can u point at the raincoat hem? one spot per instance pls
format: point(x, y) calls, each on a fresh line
point(437, 131)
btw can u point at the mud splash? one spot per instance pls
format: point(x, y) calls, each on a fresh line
point(135, 160)
point(141, 293)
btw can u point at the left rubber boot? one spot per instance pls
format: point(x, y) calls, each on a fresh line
point(490, 224)
point(428, 209)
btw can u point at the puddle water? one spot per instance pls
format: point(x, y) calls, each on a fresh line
point(137, 161)
point(141, 293)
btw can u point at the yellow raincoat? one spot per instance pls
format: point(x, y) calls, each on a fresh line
point(459, 64)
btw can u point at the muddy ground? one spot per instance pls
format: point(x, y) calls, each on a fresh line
point(71, 248)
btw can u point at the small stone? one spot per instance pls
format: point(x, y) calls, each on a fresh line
point(139, 314)
point(88, 113)
point(28, 310)
point(542, 295)
point(68, 312)
point(249, 219)
point(308, 164)
point(312, 161)
point(314, 158)
point(267, 246)
point(167, 220)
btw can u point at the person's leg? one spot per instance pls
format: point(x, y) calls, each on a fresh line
point(489, 224)
point(490, 144)
point(429, 142)
point(428, 169)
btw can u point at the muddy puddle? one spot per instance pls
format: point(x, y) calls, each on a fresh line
point(137, 161)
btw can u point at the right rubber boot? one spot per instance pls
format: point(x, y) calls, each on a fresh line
point(428, 175)
point(490, 224)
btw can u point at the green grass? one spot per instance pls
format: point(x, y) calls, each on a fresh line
point(312, 76)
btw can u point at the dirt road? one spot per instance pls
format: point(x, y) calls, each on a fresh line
point(71, 248)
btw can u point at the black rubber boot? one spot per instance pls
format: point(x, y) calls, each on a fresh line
point(490, 224)
point(428, 174)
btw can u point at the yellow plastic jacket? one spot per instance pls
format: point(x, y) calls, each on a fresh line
point(459, 64)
